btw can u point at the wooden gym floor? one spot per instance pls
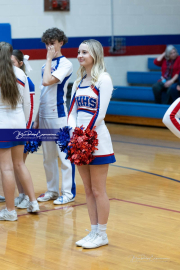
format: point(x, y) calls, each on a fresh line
point(144, 223)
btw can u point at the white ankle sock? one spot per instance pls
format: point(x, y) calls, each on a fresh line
point(34, 202)
point(102, 229)
point(21, 195)
point(94, 228)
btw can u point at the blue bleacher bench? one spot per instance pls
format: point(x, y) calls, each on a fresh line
point(133, 93)
point(137, 109)
point(145, 78)
point(152, 66)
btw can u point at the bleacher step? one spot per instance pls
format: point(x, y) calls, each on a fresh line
point(137, 109)
point(133, 93)
point(152, 66)
point(143, 78)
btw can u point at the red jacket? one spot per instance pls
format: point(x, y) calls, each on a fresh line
point(163, 65)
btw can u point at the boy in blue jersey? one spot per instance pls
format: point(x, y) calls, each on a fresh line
point(52, 114)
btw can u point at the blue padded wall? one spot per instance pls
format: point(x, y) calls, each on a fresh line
point(5, 32)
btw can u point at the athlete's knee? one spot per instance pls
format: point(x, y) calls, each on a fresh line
point(97, 192)
point(6, 168)
point(18, 165)
point(88, 191)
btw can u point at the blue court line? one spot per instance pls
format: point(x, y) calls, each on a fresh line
point(146, 172)
point(148, 145)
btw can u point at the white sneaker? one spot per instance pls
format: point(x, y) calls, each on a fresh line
point(63, 200)
point(24, 204)
point(97, 241)
point(8, 215)
point(2, 199)
point(18, 200)
point(85, 239)
point(33, 207)
point(47, 196)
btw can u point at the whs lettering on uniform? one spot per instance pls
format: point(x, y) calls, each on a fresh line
point(86, 101)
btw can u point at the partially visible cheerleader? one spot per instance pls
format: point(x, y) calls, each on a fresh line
point(172, 116)
point(14, 111)
point(21, 61)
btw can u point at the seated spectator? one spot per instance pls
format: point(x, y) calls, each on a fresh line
point(169, 62)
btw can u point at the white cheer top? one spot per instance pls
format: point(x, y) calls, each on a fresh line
point(18, 117)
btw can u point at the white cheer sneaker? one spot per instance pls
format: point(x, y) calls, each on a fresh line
point(96, 241)
point(18, 200)
point(63, 200)
point(85, 239)
point(8, 215)
point(47, 196)
point(33, 207)
point(24, 204)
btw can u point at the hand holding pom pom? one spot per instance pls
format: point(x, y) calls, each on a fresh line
point(82, 146)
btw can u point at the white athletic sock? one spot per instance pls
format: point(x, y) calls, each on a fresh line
point(94, 228)
point(21, 195)
point(34, 202)
point(102, 229)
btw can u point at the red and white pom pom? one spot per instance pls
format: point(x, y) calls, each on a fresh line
point(82, 146)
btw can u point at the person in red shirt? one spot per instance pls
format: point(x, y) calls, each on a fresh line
point(169, 62)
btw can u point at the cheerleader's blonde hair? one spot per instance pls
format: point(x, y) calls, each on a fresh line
point(96, 51)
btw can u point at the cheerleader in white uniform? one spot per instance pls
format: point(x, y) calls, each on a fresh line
point(21, 61)
point(91, 94)
point(14, 112)
point(172, 116)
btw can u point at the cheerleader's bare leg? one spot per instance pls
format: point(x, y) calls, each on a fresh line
point(98, 183)
point(94, 180)
point(22, 172)
point(84, 172)
point(7, 176)
point(19, 186)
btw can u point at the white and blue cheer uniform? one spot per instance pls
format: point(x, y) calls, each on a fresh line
point(18, 117)
point(88, 108)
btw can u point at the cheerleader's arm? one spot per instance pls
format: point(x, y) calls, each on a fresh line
point(26, 103)
point(104, 91)
point(171, 118)
point(32, 95)
point(72, 115)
